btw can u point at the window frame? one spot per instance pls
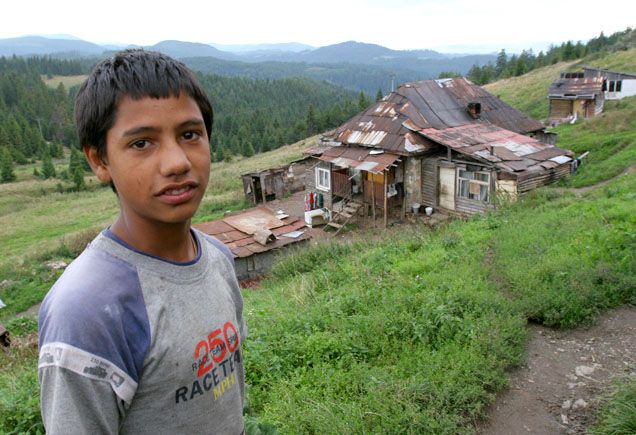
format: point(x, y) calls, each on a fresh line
point(464, 179)
point(327, 176)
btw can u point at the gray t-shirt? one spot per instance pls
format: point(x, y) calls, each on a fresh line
point(131, 343)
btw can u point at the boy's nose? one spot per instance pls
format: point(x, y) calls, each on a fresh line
point(174, 159)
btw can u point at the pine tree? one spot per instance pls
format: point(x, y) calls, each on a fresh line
point(248, 149)
point(312, 123)
point(48, 170)
point(363, 101)
point(220, 153)
point(75, 161)
point(6, 166)
point(378, 95)
point(501, 63)
point(78, 177)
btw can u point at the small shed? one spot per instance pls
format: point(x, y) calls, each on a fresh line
point(255, 236)
point(274, 183)
point(575, 96)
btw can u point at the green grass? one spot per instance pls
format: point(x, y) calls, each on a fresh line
point(413, 331)
point(67, 81)
point(564, 258)
point(618, 415)
point(404, 333)
point(35, 216)
point(610, 139)
point(19, 398)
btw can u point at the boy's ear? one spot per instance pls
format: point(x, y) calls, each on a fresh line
point(97, 164)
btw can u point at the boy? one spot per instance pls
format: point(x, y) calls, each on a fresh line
point(142, 332)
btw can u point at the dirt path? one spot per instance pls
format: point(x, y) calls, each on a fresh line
point(578, 191)
point(567, 372)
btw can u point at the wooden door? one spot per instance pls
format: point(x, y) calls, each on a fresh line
point(447, 188)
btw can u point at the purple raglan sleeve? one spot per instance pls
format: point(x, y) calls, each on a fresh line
point(94, 334)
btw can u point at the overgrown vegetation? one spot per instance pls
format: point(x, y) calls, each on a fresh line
point(19, 401)
point(405, 331)
point(618, 416)
point(402, 333)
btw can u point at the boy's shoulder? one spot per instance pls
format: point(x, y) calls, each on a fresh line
point(95, 316)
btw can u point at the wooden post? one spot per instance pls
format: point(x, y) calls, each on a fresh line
point(373, 199)
point(403, 213)
point(386, 199)
point(253, 189)
point(262, 180)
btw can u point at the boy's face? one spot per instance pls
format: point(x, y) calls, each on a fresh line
point(158, 158)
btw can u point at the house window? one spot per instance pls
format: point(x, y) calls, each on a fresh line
point(615, 85)
point(474, 185)
point(323, 179)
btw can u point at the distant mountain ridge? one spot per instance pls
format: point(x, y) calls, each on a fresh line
point(243, 48)
point(348, 52)
point(41, 46)
point(352, 65)
point(180, 49)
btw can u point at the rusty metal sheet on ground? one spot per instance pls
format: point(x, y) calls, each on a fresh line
point(253, 220)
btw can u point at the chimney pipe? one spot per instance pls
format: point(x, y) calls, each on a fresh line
point(474, 109)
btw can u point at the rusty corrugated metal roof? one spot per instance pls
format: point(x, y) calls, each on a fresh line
point(587, 87)
point(439, 104)
point(361, 158)
point(502, 148)
point(243, 244)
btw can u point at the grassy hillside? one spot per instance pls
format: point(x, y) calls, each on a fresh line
point(67, 81)
point(529, 93)
point(410, 330)
point(35, 215)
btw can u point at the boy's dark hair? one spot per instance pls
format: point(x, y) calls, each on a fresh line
point(138, 74)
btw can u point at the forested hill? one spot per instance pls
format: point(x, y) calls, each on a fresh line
point(259, 115)
point(354, 76)
point(32, 114)
point(250, 115)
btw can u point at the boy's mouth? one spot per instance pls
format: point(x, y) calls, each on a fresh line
point(177, 193)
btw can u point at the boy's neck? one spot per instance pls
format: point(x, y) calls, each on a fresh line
point(172, 242)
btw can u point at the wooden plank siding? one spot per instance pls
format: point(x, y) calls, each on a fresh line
point(543, 178)
point(429, 181)
point(469, 206)
point(560, 108)
point(340, 184)
point(368, 186)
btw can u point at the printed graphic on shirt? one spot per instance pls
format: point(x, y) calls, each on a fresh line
point(88, 365)
point(216, 358)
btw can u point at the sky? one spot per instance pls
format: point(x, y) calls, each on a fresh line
point(451, 26)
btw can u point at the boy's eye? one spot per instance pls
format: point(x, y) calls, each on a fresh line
point(191, 135)
point(139, 144)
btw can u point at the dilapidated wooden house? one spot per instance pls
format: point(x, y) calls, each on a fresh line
point(582, 94)
point(616, 85)
point(275, 183)
point(575, 96)
point(446, 144)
